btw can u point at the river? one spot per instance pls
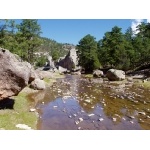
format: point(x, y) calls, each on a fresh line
point(78, 103)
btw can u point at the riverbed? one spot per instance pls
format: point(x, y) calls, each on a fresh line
point(79, 103)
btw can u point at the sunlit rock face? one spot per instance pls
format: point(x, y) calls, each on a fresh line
point(14, 74)
point(70, 61)
point(115, 75)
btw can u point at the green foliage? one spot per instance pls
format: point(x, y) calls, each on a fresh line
point(54, 48)
point(29, 32)
point(87, 53)
point(55, 55)
point(116, 49)
point(41, 61)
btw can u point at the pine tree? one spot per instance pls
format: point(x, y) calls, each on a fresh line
point(87, 53)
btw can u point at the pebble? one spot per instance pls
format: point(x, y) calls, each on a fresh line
point(76, 122)
point(70, 116)
point(42, 102)
point(114, 119)
point(100, 119)
point(32, 110)
point(74, 115)
point(148, 117)
point(124, 118)
point(142, 113)
point(87, 100)
point(91, 115)
point(131, 122)
point(55, 106)
point(132, 117)
point(80, 119)
point(79, 128)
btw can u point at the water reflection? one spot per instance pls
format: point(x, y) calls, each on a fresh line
point(78, 103)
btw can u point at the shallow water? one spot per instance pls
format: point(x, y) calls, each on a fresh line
point(78, 103)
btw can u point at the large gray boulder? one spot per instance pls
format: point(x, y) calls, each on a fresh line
point(115, 75)
point(14, 74)
point(70, 61)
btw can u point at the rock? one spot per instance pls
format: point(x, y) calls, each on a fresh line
point(98, 73)
point(23, 126)
point(76, 122)
point(142, 113)
point(80, 119)
point(14, 74)
point(74, 115)
point(50, 65)
point(91, 115)
point(115, 75)
point(32, 109)
point(114, 119)
point(130, 79)
point(55, 106)
point(38, 84)
point(87, 100)
point(100, 119)
point(70, 61)
point(131, 122)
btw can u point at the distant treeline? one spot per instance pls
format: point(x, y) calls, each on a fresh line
point(24, 40)
point(118, 50)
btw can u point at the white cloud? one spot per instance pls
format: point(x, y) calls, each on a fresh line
point(148, 20)
point(134, 25)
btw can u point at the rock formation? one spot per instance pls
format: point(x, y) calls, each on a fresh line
point(70, 61)
point(14, 74)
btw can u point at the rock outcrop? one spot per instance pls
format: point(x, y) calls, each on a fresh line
point(50, 64)
point(70, 61)
point(115, 75)
point(14, 74)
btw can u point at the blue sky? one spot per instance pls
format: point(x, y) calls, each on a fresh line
point(72, 30)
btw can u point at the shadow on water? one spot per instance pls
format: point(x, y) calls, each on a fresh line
point(78, 103)
point(7, 103)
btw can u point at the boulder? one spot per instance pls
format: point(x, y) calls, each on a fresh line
point(98, 73)
point(115, 75)
point(70, 61)
point(38, 84)
point(14, 74)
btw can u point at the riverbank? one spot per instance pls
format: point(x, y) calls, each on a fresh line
point(21, 114)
